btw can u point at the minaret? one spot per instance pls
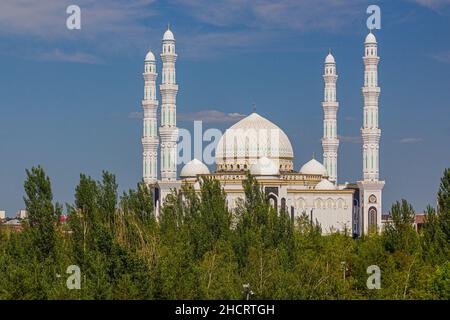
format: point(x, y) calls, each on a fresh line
point(370, 132)
point(330, 141)
point(149, 136)
point(370, 186)
point(168, 130)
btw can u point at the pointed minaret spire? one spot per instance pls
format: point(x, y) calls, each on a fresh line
point(330, 142)
point(371, 91)
point(169, 89)
point(370, 188)
point(150, 139)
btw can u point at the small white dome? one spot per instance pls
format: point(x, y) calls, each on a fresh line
point(150, 56)
point(313, 167)
point(193, 168)
point(168, 35)
point(329, 58)
point(264, 167)
point(325, 184)
point(371, 38)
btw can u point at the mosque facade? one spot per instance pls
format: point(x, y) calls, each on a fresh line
point(257, 146)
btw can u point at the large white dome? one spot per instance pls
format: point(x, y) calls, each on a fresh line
point(313, 167)
point(250, 139)
point(193, 168)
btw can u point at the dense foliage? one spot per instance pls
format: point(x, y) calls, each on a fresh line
point(198, 249)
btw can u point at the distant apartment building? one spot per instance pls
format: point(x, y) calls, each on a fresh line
point(419, 220)
point(2, 214)
point(22, 214)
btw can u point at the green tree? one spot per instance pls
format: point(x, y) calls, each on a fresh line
point(140, 203)
point(440, 281)
point(444, 207)
point(434, 240)
point(436, 230)
point(400, 233)
point(218, 272)
point(42, 214)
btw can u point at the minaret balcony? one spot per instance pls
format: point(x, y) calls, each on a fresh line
point(149, 103)
point(150, 142)
point(371, 90)
point(169, 57)
point(149, 76)
point(168, 88)
point(168, 133)
point(330, 142)
point(371, 60)
point(330, 106)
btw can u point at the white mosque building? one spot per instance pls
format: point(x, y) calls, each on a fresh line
point(256, 145)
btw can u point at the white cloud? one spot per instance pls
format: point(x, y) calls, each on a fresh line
point(78, 57)
point(410, 140)
point(211, 44)
point(210, 116)
point(136, 115)
point(433, 4)
point(47, 18)
point(246, 25)
point(207, 116)
point(108, 27)
point(112, 27)
point(282, 14)
point(350, 139)
point(442, 57)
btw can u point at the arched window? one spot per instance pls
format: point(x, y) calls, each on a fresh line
point(330, 203)
point(273, 200)
point(318, 203)
point(372, 217)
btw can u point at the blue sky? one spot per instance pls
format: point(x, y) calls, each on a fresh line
point(68, 99)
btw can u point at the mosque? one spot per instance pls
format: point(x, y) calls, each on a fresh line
point(256, 145)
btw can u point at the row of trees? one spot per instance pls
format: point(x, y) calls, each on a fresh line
point(199, 249)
